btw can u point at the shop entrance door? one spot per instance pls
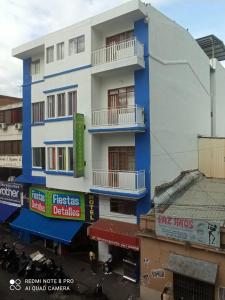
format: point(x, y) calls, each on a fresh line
point(186, 288)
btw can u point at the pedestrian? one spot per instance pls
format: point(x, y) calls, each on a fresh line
point(92, 259)
point(165, 294)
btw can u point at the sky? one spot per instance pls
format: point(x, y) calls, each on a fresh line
point(24, 20)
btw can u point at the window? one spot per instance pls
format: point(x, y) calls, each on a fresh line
point(49, 54)
point(72, 102)
point(77, 45)
point(8, 117)
point(51, 158)
point(62, 158)
point(121, 98)
point(123, 36)
point(35, 67)
point(51, 106)
point(38, 112)
point(70, 158)
point(122, 206)
point(16, 115)
point(60, 51)
point(11, 116)
point(61, 105)
point(11, 148)
point(39, 157)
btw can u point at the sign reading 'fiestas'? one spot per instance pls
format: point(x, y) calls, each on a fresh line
point(186, 229)
point(58, 204)
point(38, 200)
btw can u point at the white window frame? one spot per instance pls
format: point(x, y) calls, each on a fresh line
point(65, 158)
point(50, 100)
point(49, 160)
point(73, 45)
point(37, 106)
point(50, 163)
point(41, 158)
point(49, 55)
point(68, 104)
point(36, 67)
point(60, 51)
point(61, 97)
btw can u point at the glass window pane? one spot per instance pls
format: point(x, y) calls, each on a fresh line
point(51, 159)
point(70, 158)
point(72, 102)
point(61, 105)
point(62, 158)
point(80, 44)
point(51, 106)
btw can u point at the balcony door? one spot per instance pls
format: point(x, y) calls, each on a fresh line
point(112, 45)
point(118, 102)
point(120, 159)
point(118, 38)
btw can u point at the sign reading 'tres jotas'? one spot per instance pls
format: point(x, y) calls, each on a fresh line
point(58, 204)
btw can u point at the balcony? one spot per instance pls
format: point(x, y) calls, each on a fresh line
point(128, 119)
point(128, 53)
point(129, 184)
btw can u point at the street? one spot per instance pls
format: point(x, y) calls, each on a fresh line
point(114, 286)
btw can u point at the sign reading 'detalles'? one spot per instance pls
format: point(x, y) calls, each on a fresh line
point(78, 145)
point(11, 193)
point(185, 229)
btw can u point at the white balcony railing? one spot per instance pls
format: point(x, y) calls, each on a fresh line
point(123, 180)
point(128, 116)
point(117, 51)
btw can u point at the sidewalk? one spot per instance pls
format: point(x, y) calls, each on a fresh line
point(114, 286)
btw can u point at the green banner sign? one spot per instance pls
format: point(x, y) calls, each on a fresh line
point(78, 145)
point(58, 204)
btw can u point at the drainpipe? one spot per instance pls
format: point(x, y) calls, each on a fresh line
point(213, 90)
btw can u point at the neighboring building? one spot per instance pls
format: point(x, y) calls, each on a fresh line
point(10, 137)
point(183, 241)
point(139, 87)
point(11, 193)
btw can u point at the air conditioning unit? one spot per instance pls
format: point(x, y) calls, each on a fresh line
point(18, 126)
point(3, 126)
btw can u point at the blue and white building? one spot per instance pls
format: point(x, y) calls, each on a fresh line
point(143, 85)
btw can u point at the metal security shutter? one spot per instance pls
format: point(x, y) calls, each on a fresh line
point(186, 288)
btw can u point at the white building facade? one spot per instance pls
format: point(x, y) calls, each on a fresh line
point(142, 84)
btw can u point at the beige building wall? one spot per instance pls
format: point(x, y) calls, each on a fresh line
point(212, 157)
point(155, 254)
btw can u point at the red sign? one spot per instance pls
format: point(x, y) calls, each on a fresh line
point(115, 233)
point(66, 211)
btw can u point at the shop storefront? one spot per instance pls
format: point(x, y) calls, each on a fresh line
point(118, 239)
point(58, 217)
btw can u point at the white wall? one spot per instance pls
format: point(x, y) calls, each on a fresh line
point(179, 98)
point(219, 98)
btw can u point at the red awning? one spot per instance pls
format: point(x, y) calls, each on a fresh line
point(115, 233)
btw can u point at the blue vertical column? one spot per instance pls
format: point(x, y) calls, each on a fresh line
point(142, 98)
point(26, 142)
